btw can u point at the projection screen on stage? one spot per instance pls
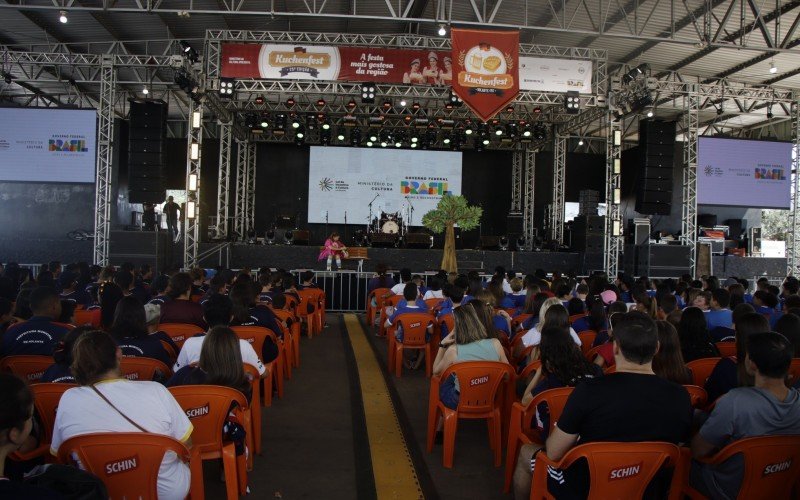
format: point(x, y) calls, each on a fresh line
point(346, 179)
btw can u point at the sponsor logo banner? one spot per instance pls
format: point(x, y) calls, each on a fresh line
point(487, 65)
point(543, 74)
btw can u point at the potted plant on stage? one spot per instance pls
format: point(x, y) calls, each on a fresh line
point(450, 211)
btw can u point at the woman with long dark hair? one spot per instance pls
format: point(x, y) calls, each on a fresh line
point(730, 372)
point(693, 333)
point(552, 314)
point(668, 362)
point(246, 313)
point(381, 279)
point(130, 331)
point(109, 296)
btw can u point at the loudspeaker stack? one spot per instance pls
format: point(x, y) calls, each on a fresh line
point(146, 134)
point(656, 151)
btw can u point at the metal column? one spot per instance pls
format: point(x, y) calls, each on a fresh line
point(105, 150)
point(792, 247)
point(517, 180)
point(225, 135)
point(251, 186)
point(559, 170)
point(613, 233)
point(689, 206)
point(528, 180)
point(240, 221)
point(191, 226)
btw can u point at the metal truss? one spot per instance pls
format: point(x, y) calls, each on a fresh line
point(613, 233)
point(240, 213)
point(105, 153)
point(223, 190)
point(194, 147)
point(529, 179)
point(517, 180)
point(689, 205)
point(251, 186)
point(792, 247)
point(559, 172)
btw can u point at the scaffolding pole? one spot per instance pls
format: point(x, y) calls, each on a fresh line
point(105, 151)
point(517, 180)
point(559, 170)
point(225, 135)
point(251, 186)
point(613, 232)
point(792, 248)
point(240, 214)
point(191, 226)
point(529, 226)
point(689, 205)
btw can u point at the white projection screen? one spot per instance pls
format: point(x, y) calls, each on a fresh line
point(346, 179)
point(47, 145)
point(744, 173)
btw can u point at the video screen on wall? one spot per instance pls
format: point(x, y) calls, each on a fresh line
point(744, 173)
point(47, 145)
point(345, 180)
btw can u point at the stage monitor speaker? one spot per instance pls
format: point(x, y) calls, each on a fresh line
point(735, 228)
point(656, 167)
point(383, 239)
point(588, 233)
point(657, 261)
point(140, 247)
point(297, 237)
point(490, 242)
point(706, 220)
point(418, 240)
point(146, 134)
point(754, 241)
point(514, 224)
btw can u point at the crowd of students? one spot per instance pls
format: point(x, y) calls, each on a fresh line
point(644, 333)
point(37, 318)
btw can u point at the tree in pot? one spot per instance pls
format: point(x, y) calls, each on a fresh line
point(450, 211)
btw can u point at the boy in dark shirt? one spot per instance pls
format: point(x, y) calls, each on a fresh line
point(40, 334)
point(630, 405)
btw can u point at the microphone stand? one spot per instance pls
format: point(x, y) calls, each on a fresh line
point(326, 224)
point(369, 221)
point(411, 213)
point(345, 225)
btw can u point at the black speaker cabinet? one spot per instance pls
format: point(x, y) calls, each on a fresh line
point(146, 134)
point(656, 167)
point(141, 247)
point(657, 261)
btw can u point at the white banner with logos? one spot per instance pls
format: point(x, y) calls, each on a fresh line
point(345, 180)
point(543, 74)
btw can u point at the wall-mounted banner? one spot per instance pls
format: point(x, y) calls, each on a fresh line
point(487, 67)
point(323, 62)
point(543, 74)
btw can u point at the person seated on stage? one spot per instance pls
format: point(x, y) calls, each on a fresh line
point(333, 249)
point(132, 335)
point(41, 333)
point(631, 405)
point(517, 295)
point(307, 281)
point(435, 289)
point(768, 408)
point(72, 292)
point(160, 289)
point(719, 315)
point(405, 278)
point(767, 304)
point(181, 309)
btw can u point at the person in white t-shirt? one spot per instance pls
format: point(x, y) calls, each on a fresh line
point(435, 289)
point(217, 311)
point(405, 278)
point(552, 313)
point(104, 400)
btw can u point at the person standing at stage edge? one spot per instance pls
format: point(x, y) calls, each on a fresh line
point(171, 211)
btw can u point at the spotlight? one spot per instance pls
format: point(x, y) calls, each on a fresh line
point(189, 51)
point(503, 242)
point(326, 125)
point(264, 122)
point(269, 237)
point(351, 103)
point(387, 105)
point(772, 68)
point(414, 140)
point(355, 137)
point(635, 73)
point(769, 111)
point(650, 113)
point(403, 103)
point(580, 142)
point(373, 137)
point(539, 132)
point(340, 135)
point(368, 92)
point(295, 122)
point(320, 102)
point(325, 136)
point(226, 87)
point(415, 106)
point(537, 110)
point(185, 46)
point(499, 130)
point(369, 144)
point(290, 102)
point(300, 132)
point(288, 237)
point(485, 141)
point(145, 90)
point(311, 122)
point(720, 109)
point(572, 102)
point(259, 100)
point(468, 129)
point(526, 131)
point(280, 124)
point(442, 30)
point(63, 17)
point(453, 100)
point(446, 139)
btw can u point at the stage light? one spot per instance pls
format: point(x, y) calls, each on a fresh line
point(618, 138)
point(259, 100)
point(320, 102)
point(572, 102)
point(355, 137)
point(537, 110)
point(580, 142)
point(387, 105)
point(7, 78)
point(650, 113)
point(194, 151)
point(442, 30)
point(468, 129)
point(413, 145)
point(295, 122)
point(264, 122)
point(415, 106)
point(63, 17)
point(373, 137)
point(326, 125)
point(521, 243)
point(403, 102)
point(280, 124)
point(772, 68)
point(311, 122)
point(290, 102)
point(526, 131)
point(192, 182)
point(191, 210)
point(226, 87)
point(300, 132)
point(414, 139)
point(615, 228)
point(499, 130)
point(502, 243)
point(769, 111)
point(288, 237)
point(369, 144)
point(269, 237)
point(185, 46)
point(398, 144)
point(197, 119)
point(539, 132)
point(340, 135)
point(446, 139)
point(617, 166)
point(189, 51)
point(145, 90)
point(485, 141)
point(720, 109)
point(635, 73)
point(368, 90)
point(453, 99)
point(351, 103)
point(325, 137)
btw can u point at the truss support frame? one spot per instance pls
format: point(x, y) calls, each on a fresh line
point(792, 247)
point(517, 180)
point(251, 186)
point(240, 214)
point(559, 171)
point(105, 152)
point(223, 184)
point(613, 238)
point(689, 205)
point(528, 179)
point(194, 155)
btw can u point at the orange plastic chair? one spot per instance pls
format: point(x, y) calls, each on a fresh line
point(485, 388)
point(45, 401)
point(87, 317)
point(179, 332)
point(173, 356)
point(726, 349)
point(255, 411)
point(196, 298)
point(771, 466)
point(309, 297)
point(617, 470)
point(256, 336)
point(294, 329)
point(592, 353)
point(697, 395)
point(432, 303)
point(144, 369)
point(291, 305)
point(415, 329)
point(388, 301)
point(447, 320)
point(207, 407)
point(529, 369)
point(576, 317)
point(520, 430)
point(587, 339)
point(134, 457)
point(378, 295)
point(517, 321)
point(701, 369)
point(610, 369)
point(794, 371)
point(26, 366)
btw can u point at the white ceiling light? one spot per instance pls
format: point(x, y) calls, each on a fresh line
point(442, 30)
point(145, 90)
point(63, 17)
point(772, 68)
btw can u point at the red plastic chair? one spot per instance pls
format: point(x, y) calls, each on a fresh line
point(529, 369)
point(432, 303)
point(25, 366)
point(415, 330)
point(392, 300)
point(379, 295)
point(87, 317)
point(179, 332)
point(697, 395)
point(771, 466)
point(587, 339)
point(521, 430)
point(207, 407)
point(701, 369)
point(144, 369)
point(310, 297)
point(617, 470)
point(256, 336)
point(135, 458)
point(517, 321)
point(45, 401)
point(255, 411)
point(294, 331)
point(592, 353)
point(794, 371)
point(576, 317)
point(485, 388)
point(726, 349)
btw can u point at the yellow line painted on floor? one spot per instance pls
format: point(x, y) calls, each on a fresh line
point(391, 464)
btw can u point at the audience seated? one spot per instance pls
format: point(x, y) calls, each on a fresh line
point(719, 315)
point(104, 402)
point(245, 313)
point(552, 313)
point(788, 325)
point(630, 405)
point(181, 308)
point(434, 290)
point(60, 371)
point(132, 335)
point(109, 295)
point(766, 303)
point(40, 334)
point(381, 279)
point(668, 362)
point(767, 408)
point(500, 319)
point(405, 278)
point(695, 339)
